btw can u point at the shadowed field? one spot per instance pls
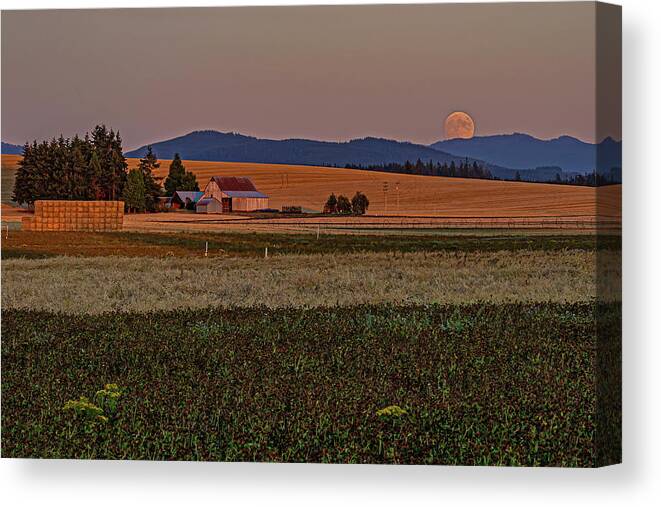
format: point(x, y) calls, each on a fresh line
point(30, 244)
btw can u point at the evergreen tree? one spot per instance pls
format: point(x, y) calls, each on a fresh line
point(78, 185)
point(108, 146)
point(176, 175)
point(331, 204)
point(146, 165)
point(24, 182)
point(94, 174)
point(134, 191)
point(189, 182)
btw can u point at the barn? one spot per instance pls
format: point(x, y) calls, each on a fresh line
point(231, 194)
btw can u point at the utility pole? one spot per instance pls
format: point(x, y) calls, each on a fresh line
point(397, 188)
point(385, 197)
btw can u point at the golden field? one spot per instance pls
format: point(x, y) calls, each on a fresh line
point(309, 186)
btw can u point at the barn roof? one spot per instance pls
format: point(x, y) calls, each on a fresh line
point(244, 193)
point(192, 195)
point(208, 200)
point(226, 183)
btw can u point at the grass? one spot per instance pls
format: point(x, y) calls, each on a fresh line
point(473, 385)
point(136, 244)
point(94, 285)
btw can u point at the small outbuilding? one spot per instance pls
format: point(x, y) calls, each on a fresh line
point(234, 194)
point(163, 203)
point(185, 199)
point(209, 205)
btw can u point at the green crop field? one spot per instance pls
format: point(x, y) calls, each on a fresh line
point(476, 385)
point(241, 244)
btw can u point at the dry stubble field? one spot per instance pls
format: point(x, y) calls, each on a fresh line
point(309, 186)
point(102, 284)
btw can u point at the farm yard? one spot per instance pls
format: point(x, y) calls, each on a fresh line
point(458, 329)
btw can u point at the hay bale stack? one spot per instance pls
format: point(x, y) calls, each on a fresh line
point(98, 216)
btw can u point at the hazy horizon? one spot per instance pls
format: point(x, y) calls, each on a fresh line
point(330, 73)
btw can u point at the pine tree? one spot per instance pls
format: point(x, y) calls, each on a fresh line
point(176, 175)
point(120, 166)
point(189, 182)
point(24, 182)
point(78, 186)
point(94, 176)
point(108, 146)
point(331, 204)
point(134, 191)
point(146, 166)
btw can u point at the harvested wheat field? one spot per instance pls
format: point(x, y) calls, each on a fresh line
point(309, 186)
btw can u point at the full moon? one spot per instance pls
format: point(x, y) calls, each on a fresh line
point(459, 125)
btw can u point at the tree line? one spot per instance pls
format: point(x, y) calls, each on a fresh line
point(467, 169)
point(431, 168)
point(88, 168)
point(93, 167)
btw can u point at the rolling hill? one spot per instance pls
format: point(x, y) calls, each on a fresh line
point(216, 146)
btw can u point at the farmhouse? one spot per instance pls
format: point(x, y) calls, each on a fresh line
point(224, 194)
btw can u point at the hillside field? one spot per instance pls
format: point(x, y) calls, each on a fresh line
point(309, 186)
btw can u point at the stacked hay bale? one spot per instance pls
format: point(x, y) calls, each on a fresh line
point(94, 216)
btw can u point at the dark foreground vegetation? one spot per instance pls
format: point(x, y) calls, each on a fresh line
point(24, 244)
point(475, 385)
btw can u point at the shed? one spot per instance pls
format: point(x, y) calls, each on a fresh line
point(209, 205)
point(163, 203)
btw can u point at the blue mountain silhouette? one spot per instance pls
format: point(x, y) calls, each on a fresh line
point(231, 147)
point(11, 149)
point(522, 151)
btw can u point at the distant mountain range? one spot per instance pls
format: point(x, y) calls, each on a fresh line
point(504, 155)
point(230, 147)
point(11, 149)
point(522, 151)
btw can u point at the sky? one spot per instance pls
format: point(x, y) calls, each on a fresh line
point(331, 73)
